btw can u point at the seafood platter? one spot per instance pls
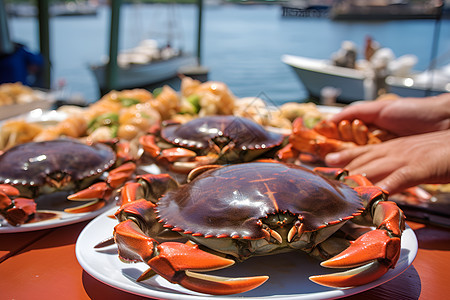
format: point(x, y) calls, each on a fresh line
point(193, 190)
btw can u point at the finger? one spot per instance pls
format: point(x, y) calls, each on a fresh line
point(365, 111)
point(375, 170)
point(399, 180)
point(344, 157)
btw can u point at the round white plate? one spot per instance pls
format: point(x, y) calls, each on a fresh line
point(288, 272)
point(62, 219)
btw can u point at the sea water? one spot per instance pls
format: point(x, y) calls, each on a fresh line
point(242, 45)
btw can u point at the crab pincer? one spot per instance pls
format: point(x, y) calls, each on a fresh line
point(177, 262)
point(102, 190)
point(372, 254)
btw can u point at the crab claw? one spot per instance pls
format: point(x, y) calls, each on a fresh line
point(98, 190)
point(176, 261)
point(17, 211)
point(148, 143)
point(101, 191)
point(354, 277)
point(375, 252)
point(174, 154)
point(119, 175)
point(9, 190)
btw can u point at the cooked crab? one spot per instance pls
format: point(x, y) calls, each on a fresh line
point(257, 208)
point(328, 137)
point(37, 168)
point(207, 140)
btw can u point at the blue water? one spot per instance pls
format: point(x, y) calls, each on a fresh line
point(242, 44)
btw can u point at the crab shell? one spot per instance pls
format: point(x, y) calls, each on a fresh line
point(229, 201)
point(245, 134)
point(44, 167)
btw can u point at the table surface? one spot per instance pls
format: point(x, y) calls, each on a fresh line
point(42, 265)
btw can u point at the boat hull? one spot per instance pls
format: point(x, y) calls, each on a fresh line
point(141, 75)
point(315, 74)
point(355, 85)
point(417, 87)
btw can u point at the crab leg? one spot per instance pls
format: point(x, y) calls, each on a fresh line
point(148, 143)
point(180, 159)
point(176, 261)
point(374, 252)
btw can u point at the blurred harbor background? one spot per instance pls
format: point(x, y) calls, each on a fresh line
point(242, 45)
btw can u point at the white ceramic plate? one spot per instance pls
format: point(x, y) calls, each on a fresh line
point(62, 218)
point(288, 272)
point(43, 101)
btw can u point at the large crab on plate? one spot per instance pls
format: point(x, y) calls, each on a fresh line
point(327, 136)
point(209, 140)
point(37, 168)
point(230, 213)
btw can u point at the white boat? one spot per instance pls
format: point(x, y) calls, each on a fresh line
point(353, 84)
point(317, 74)
point(422, 84)
point(144, 65)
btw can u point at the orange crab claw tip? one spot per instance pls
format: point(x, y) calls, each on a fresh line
point(88, 207)
point(353, 277)
point(370, 246)
point(187, 257)
point(95, 191)
point(216, 285)
point(9, 190)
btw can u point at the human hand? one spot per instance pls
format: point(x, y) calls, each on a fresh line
point(403, 116)
point(398, 164)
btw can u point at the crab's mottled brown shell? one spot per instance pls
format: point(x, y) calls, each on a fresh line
point(246, 134)
point(30, 164)
point(228, 201)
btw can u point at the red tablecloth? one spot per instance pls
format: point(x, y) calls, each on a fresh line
point(43, 265)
